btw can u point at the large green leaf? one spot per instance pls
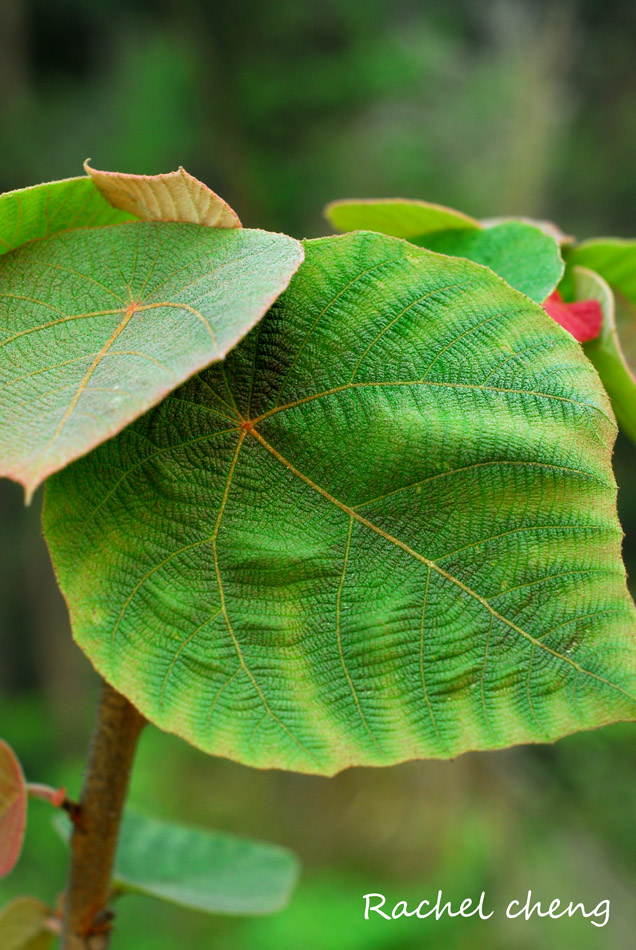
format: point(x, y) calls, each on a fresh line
point(98, 324)
point(211, 871)
point(400, 539)
point(399, 217)
point(43, 210)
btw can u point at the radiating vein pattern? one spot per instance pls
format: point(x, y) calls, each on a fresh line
point(383, 528)
point(99, 324)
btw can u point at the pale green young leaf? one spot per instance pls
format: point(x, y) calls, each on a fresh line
point(385, 528)
point(38, 212)
point(98, 324)
point(399, 217)
point(210, 871)
point(205, 870)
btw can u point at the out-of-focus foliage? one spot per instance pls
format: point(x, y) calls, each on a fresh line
point(510, 107)
point(515, 106)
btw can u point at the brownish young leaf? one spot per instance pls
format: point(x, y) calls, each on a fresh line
point(175, 196)
point(13, 809)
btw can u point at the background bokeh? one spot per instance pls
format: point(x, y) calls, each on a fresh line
point(511, 106)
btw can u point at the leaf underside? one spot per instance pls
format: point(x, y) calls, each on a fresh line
point(98, 324)
point(43, 210)
point(384, 528)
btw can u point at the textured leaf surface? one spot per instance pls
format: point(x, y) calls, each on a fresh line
point(23, 925)
point(175, 196)
point(211, 871)
point(98, 324)
point(396, 216)
point(527, 258)
point(43, 210)
point(384, 528)
point(13, 809)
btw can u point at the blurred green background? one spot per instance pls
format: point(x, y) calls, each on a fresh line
point(507, 107)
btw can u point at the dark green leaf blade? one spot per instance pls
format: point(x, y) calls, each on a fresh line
point(405, 545)
point(210, 871)
point(527, 258)
point(43, 210)
point(98, 324)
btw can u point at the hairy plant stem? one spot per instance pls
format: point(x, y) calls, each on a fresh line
point(87, 917)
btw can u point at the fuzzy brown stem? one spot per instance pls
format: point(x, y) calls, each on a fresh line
point(96, 823)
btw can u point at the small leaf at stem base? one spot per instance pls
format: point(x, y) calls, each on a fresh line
point(24, 925)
